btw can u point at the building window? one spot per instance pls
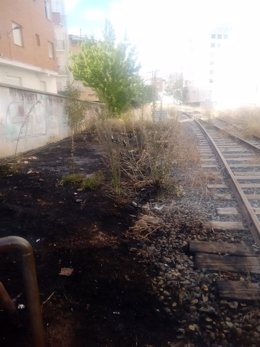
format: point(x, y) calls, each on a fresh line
point(213, 36)
point(211, 80)
point(47, 8)
point(225, 36)
point(17, 34)
point(212, 45)
point(219, 36)
point(51, 50)
point(211, 72)
point(37, 38)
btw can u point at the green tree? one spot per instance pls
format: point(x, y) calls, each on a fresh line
point(75, 109)
point(146, 93)
point(176, 87)
point(111, 70)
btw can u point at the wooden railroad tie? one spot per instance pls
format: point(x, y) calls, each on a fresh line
point(238, 290)
point(231, 257)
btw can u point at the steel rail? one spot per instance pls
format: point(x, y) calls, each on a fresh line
point(234, 136)
point(246, 208)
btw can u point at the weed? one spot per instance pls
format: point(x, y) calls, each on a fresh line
point(72, 178)
point(93, 181)
point(89, 182)
point(142, 151)
point(107, 138)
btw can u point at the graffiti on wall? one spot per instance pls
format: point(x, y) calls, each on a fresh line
point(29, 119)
point(33, 115)
point(24, 120)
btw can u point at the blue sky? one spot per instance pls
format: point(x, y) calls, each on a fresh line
point(87, 16)
point(159, 28)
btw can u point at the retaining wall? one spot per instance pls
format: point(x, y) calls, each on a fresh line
point(30, 119)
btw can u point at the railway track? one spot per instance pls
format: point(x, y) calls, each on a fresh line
point(234, 165)
point(236, 132)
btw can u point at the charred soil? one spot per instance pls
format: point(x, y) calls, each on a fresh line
point(131, 280)
point(107, 300)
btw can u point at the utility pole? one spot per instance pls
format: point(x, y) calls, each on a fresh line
point(154, 84)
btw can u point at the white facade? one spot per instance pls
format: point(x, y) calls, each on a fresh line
point(24, 75)
point(222, 66)
point(195, 63)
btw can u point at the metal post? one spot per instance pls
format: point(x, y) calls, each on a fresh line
point(12, 243)
point(8, 304)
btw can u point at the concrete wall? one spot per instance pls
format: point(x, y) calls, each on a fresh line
point(29, 119)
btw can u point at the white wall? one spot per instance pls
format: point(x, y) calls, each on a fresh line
point(29, 120)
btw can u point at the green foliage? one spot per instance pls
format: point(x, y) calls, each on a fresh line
point(176, 87)
point(111, 70)
point(93, 181)
point(72, 178)
point(74, 107)
point(89, 182)
point(75, 110)
point(146, 94)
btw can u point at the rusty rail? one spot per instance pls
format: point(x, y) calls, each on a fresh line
point(245, 206)
point(15, 243)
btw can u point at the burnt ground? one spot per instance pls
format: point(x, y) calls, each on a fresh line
point(117, 294)
point(107, 299)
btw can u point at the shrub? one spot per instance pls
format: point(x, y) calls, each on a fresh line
point(143, 152)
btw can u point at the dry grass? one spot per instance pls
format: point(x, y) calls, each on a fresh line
point(247, 119)
point(146, 152)
point(145, 226)
point(142, 151)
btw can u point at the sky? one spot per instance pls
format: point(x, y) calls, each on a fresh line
point(159, 29)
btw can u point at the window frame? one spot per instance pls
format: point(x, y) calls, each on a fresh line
point(47, 9)
point(38, 40)
point(17, 33)
point(51, 51)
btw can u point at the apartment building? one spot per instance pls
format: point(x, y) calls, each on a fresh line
point(220, 77)
point(61, 43)
point(221, 65)
point(27, 45)
point(195, 67)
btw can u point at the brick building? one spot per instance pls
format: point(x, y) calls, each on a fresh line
point(27, 44)
point(86, 93)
